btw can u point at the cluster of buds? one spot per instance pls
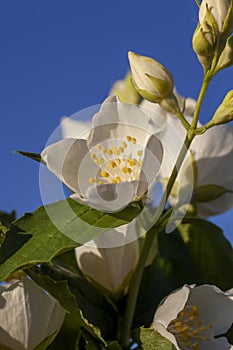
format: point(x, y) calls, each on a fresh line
point(212, 35)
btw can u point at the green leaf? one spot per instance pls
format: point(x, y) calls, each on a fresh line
point(173, 266)
point(41, 236)
point(5, 220)
point(149, 339)
point(45, 343)
point(196, 252)
point(114, 345)
point(90, 343)
point(7, 217)
point(60, 290)
point(34, 156)
point(208, 193)
point(2, 347)
point(14, 240)
point(67, 335)
point(210, 250)
point(96, 307)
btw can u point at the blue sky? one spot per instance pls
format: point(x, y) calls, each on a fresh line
point(58, 57)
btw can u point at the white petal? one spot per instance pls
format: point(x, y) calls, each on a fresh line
point(72, 128)
point(116, 120)
point(187, 104)
point(28, 315)
point(214, 161)
point(216, 206)
point(215, 307)
point(108, 266)
point(111, 197)
point(164, 332)
point(171, 306)
point(67, 159)
point(219, 9)
point(215, 344)
point(153, 155)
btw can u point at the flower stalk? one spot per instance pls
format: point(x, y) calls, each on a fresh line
point(152, 233)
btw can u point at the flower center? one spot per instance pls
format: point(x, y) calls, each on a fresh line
point(120, 161)
point(188, 328)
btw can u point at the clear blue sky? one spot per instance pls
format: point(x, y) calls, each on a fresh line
point(58, 57)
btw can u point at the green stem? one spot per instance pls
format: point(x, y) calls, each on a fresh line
point(184, 122)
point(150, 235)
point(201, 96)
point(148, 244)
point(134, 289)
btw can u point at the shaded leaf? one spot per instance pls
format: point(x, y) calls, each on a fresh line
point(14, 240)
point(97, 308)
point(54, 229)
point(61, 291)
point(7, 217)
point(114, 345)
point(196, 252)
point(171, 269)
point(211, 252)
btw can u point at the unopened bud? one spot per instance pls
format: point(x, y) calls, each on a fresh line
point(126, 91)
point(224, 112)
point(204, 43)
point(151, 79)
point(221, 10)
point(226, 58)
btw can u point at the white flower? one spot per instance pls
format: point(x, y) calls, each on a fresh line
point(28, 315)
point(212, 153)
point(115, 163)
point(74, 128)
point(109, 260)
point(192, 317)
point(151, 79)
point(218, 8)
point(213, 156)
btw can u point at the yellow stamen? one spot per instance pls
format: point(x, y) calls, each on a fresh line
point(139, 153)
point(134, 141)
point(104, 173)
point(111, 165)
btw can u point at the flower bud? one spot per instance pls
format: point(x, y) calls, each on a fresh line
point(221, 10)
point(151, 79)
point(204, 43)
point(226, 58)
point(224, 112)
point(126, 91)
